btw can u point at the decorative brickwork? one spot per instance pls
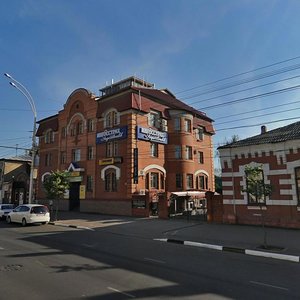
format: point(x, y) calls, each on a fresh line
point(121, 147)
point(279, 161)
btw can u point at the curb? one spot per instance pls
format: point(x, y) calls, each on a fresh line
point(292, 258)
point(71, 226)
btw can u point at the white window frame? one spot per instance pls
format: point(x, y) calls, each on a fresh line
point(154, 149)
point(76, 155)
point(189, 152)
point(188, 125)
point(189, 181)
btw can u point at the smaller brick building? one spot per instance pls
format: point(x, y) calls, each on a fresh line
point(14, 179)
point(278, 153)
point(126, 147)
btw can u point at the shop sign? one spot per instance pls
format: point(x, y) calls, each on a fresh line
point(152, 135)
point(74, 174)
point(112, 134)
point(110, 161)
point(75, 179)
point(82, 192)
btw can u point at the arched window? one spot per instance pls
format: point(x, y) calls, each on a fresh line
point(49, 136)
point(80, 127)
point(202, 182)
point(112, 118)
point(110, 180)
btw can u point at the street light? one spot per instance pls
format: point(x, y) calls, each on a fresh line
point(21, 88)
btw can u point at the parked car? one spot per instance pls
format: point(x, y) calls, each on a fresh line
point(5, 209)
point(28, 214)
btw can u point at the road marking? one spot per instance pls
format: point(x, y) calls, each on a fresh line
point(1, 248)
point(202, 245)
point(123, 293)
point(89, 245)
point(161, 240)
point(269, 285)
point(273, 255)
point(154, 260)
point(40, 263)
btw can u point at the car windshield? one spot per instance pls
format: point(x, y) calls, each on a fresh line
point(39, 209)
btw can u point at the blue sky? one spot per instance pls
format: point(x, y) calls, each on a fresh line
point(56, 46)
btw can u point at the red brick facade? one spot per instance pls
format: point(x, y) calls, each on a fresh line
point(280, 162)
point(132, 140)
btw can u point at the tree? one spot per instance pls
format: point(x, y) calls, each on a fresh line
point(257, 191)
point(255, 185)
point(55, 186)
point(235, 138)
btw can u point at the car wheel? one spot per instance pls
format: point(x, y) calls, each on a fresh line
point(44, 223)
point(24, 223)
point(8, 220)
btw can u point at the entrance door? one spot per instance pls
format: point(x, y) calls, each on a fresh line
point(74, 202)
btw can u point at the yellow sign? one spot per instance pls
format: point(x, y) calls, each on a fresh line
point(106, 161)
point(74, 174)
point(110, 161)
point(82, 192)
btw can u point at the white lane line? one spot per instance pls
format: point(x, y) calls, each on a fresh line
point(123, 293)
point(269, 285)
point(1, 248)
point(154, 260)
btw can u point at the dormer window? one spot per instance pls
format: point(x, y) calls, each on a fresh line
point(187, 125)
point(154, 119)
point(49, 136)
point(200, 133)
point(112, 118)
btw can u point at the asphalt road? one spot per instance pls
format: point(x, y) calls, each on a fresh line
point(52, 262)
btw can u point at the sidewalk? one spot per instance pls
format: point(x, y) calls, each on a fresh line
point(282, 243)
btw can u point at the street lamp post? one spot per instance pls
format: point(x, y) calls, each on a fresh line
point(21, 88)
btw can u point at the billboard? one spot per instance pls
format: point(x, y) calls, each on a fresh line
point(152, 135)
point(111, 134)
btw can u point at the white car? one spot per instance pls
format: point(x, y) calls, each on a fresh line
point(5, 209)
point(28, 214)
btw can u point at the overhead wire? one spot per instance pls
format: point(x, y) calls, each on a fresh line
point(240, 74)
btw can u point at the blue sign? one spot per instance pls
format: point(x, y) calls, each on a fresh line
point(111, 134)
point(155, 136)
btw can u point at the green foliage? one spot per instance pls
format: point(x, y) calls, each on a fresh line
point(56, 184)
point(255, 183)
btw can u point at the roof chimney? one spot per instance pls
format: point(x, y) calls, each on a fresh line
point(263, 129)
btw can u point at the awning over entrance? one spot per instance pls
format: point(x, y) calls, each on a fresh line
point(189, 193)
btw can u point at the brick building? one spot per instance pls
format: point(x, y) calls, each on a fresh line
point(14, 179)
point(126, 147)
point(278, 153)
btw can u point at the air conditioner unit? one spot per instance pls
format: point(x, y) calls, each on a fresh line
point(142, 192)
point(141, 173)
